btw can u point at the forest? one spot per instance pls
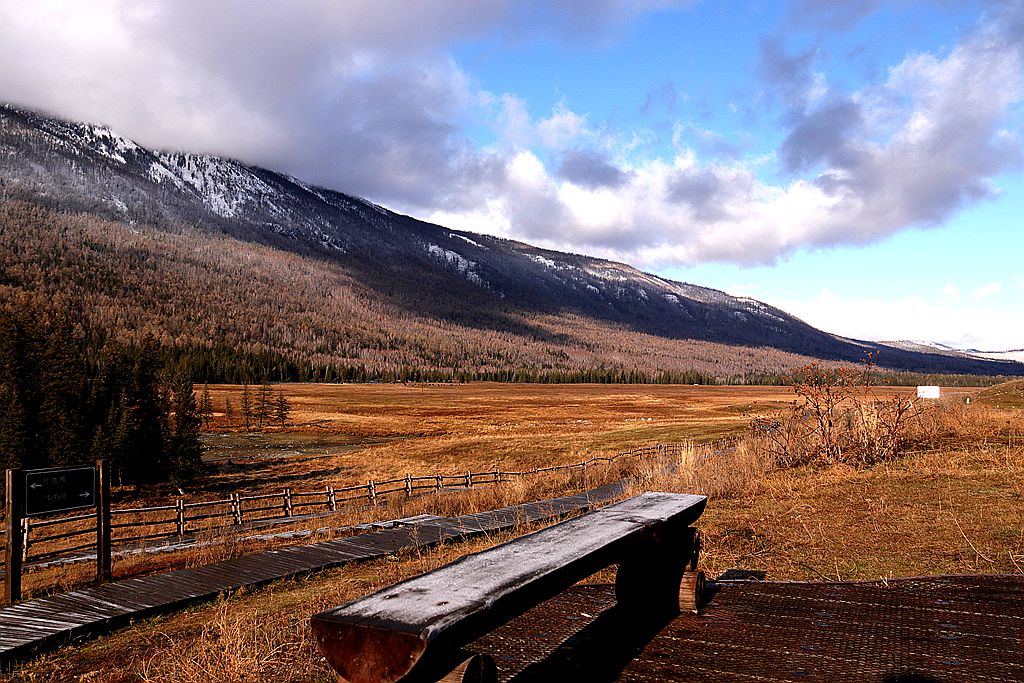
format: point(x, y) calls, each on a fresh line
point(62, 403)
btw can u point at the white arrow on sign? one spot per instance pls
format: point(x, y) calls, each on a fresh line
point(84, 495)
point(35, 486)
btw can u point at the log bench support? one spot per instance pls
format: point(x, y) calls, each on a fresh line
point(416, 630)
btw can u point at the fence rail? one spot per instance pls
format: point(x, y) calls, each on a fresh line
point(152, 523)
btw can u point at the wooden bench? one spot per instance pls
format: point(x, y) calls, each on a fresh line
point(416, 629)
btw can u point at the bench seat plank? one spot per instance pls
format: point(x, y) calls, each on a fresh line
point(382, 636)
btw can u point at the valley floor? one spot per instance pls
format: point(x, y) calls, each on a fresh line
point(953, 507)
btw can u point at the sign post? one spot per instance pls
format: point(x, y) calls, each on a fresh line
point(102, 521)
point(15, 508)
point(34, 493)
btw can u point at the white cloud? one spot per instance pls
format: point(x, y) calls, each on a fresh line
point(562, 128)
point(912, 317)
point(365, 99)
point(986, 291)
point(907, 153)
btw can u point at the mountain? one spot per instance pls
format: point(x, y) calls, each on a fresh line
point(945, 349)
point(198, 250)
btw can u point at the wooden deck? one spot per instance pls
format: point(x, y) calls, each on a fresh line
point(36, 625)
point(935, 629)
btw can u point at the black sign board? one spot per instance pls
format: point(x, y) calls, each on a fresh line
point(58, 489)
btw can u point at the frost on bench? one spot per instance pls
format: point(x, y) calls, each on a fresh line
point(413, 629)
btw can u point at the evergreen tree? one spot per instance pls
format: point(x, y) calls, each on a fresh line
point(60, 378)
point(184, 447)
point(246, 407)
point(206, 406)
point(264, 404)
point(14, 442)
point(63, 402)
point(282, 409)
point(147, 408)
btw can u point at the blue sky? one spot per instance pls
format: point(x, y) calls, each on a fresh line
point(858, 164)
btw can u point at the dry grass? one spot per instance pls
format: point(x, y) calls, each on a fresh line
point(260, 635)
point(347, 434)
point(954, 503)
point(451, 428)
point(1006, 395)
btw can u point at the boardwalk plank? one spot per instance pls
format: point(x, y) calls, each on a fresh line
point(44, 623)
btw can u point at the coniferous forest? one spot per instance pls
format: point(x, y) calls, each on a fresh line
point(62, 403)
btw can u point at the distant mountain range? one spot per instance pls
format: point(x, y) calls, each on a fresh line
point(201, 250)
point(1016, 355)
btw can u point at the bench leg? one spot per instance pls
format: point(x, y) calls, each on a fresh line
point(479, 668)
point(691, 591)
point(650, 578)
point(694, 540)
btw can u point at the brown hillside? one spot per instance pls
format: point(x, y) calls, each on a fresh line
point(187, 286)
point(1005, 395)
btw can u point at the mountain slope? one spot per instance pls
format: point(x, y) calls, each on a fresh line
point(410, 272)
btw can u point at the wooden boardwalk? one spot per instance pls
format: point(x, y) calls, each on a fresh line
point(41, 624)
point(932, 629)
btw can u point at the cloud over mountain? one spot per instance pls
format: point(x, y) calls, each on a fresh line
point(368, 97)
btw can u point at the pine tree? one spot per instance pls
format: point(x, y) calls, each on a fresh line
point(147, 406)
point(13, 439)
point(281, 410)
point(61, 383)
point(263, 404)
point(14, 418)
point(206, 406)
point(246, 407)
point(185, 451)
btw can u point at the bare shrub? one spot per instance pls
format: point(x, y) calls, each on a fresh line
point(838, 417)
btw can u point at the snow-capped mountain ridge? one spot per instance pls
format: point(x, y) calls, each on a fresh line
point(84, 167)
point(1016, 355)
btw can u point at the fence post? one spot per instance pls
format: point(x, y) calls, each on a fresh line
point(332, 502)
point(236, 508)
point(25, 528)
point(469, 479)
point(287, 502)
point(437, 481)
point(179, 507)
point(372, 486)
point(408, 485)
point(103, 566)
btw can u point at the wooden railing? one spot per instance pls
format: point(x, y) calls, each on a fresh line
point(46, 540)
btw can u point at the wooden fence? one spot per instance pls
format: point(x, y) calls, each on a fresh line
point(47, 540)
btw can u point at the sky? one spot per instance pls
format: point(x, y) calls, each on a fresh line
point(858, 164)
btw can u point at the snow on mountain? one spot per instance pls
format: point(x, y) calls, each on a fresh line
point(84, 167)
point(466, 239)
point(457, 261)
point(1011, 355)
point(225, 186)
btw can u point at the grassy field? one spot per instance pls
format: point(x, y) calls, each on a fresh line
point(350, 433)
point(952, 504)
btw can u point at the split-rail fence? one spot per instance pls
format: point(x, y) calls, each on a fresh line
point(48, 540)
